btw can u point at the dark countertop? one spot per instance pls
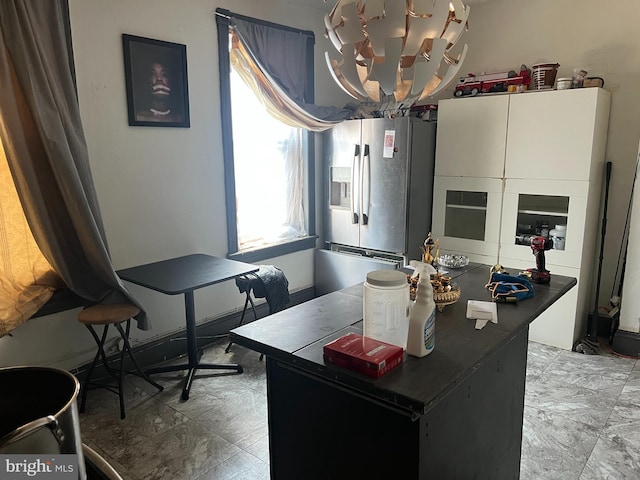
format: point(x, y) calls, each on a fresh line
point(296, 336)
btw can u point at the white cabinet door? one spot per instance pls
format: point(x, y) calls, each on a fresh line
point(529, 204)
point(466, 216)
point(557, 134)
point(471, 136)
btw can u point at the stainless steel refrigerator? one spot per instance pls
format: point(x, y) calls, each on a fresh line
point(378, 191)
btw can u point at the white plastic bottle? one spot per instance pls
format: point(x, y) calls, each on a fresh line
point(422, 320)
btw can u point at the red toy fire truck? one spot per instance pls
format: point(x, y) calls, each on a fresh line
point(492, 82)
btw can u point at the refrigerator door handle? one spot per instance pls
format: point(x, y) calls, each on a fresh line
point(365, 183)
point(354, 203)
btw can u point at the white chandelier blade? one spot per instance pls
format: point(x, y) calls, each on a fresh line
point(419, 30)
point(333, 38)
point(391, 25)
point(425, 70)
point(349, 70)
point(432, 17)
point(403, 85)
point(339, 79)
point(454, 30)
point(452, 72)
point(386, 72)
point(374, 8)
point(459, 8)
point(350, 30)
point(328, 22)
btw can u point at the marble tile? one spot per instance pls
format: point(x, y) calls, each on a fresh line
point(627, 408)
point(254, 368)
point(556, 397)
point(147, 421)
point(240, 416)
point(596, 372)
point(242, 466)
point(554, 446)
point(260, 449)
point(539, 357)
point(616, 455)
point(103, 401)
point(185, 452)
point(634, 377)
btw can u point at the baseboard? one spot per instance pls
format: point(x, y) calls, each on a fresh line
point(626, 343)
point(173, 346)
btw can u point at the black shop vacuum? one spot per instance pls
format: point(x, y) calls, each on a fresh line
point(589, 345)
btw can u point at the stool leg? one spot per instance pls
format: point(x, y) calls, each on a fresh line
point(244, 311)
point(127, 348)
point(99, 354)
point(120, 376)
point(255, 316)
point(253, 307)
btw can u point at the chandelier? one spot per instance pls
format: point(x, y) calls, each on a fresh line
point(393, 51)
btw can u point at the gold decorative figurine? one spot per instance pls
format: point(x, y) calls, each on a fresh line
point(427, 251)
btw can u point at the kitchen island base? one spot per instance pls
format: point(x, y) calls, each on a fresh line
point(455, 414)
point(320, 429)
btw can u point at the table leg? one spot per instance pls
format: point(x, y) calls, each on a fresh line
point(192, 351)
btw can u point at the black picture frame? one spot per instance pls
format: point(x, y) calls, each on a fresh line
point(156, 81)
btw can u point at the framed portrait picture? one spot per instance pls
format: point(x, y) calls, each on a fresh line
point(156, 80)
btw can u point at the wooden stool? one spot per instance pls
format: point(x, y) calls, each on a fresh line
point(111, 315)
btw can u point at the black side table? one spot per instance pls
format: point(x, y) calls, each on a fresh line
point(185, 275)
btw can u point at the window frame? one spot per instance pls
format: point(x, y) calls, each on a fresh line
point(223, 20)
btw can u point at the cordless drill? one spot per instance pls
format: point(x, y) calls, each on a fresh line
point(538, 245)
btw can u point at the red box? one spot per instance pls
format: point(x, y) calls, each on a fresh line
point(363, 354)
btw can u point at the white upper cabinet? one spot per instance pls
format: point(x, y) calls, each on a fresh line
point(557, 135)
point(525, 164)
point(472, 137)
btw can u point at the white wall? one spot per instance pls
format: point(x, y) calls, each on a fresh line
point(161, 190)
point(629, 311)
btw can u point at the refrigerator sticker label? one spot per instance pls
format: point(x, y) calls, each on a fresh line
point(389, 143)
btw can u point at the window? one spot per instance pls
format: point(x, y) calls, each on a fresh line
point(268, 166)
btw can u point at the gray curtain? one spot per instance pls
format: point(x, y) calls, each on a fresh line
point(282, 55)
point(46, 151)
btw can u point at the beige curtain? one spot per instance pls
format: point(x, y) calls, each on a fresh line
point(43, 138)
point(27, 280)
point(294, 187)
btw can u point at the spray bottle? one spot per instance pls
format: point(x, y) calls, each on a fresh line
point(422, 319)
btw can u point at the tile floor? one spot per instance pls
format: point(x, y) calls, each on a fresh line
point(581, 421)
